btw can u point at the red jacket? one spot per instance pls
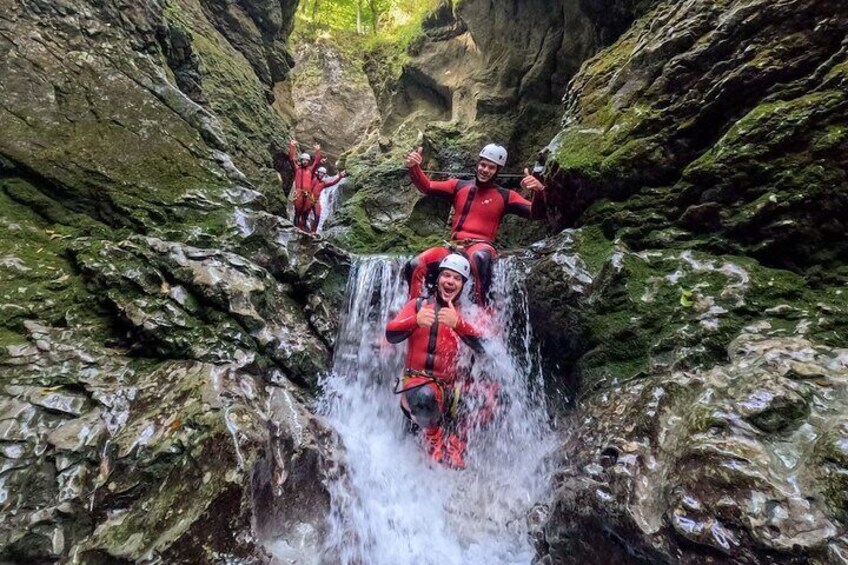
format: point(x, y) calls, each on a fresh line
point(478, 209)
point(304, 177)
point(434, 349)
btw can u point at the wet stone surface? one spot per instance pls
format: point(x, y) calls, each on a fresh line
point(740, 460)
point(108, 457)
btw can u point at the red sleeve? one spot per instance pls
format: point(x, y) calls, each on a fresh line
point(402, 326)
point(469, 334)
point(316, 160)
point(333, 181)
point(518, 205)
point(292, 158)
point(433, 188)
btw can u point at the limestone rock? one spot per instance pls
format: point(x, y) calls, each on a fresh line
point(721, 122)
point(707, 465)
point(164, 459)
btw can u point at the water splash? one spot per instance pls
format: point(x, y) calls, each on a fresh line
point(395, 506)
point(329, 199)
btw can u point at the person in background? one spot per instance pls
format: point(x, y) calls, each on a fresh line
point(304, 178)
point(323, 181)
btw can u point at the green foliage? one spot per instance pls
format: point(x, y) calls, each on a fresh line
point(391, 19)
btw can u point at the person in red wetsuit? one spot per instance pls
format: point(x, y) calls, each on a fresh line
point(435, 329)
point(304, 179)
point(322, 182)
point(479, 205)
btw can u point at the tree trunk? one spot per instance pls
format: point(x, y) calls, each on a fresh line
point(359, 17)
point(374, 16)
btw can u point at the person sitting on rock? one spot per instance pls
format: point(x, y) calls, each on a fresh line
point(322, 182)
point(430, 387)
point(479, 205)
point(304, 179)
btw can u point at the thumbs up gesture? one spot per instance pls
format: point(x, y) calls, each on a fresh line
point(426, 317)
point(414, 158)
point(449, 316)
point(530, 182)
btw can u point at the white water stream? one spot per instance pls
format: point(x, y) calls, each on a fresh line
point(328, 200)
point(398, 507)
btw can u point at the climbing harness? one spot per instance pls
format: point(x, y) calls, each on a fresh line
point(413, 379)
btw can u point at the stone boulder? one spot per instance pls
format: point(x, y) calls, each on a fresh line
point(740, 463)
point(109, 457)
point(719, 123)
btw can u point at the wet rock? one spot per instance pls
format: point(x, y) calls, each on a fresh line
point(160, 462)
point(607, 314)
point(710, 144)
point(703, 466)
point(260, 313)
point(333, 101)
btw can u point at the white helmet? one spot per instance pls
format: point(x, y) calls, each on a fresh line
point(494, 153)
point(322, 170)
point(458, 263)
point(305, 157)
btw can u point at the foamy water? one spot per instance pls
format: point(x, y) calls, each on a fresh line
point(396, 506)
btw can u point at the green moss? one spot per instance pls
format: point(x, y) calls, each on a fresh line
point(37, 281)
point(593, 248)
point(660, 307)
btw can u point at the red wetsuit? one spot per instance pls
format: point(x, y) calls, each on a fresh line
point(432, 361)
point(432, 350)
point(315, 195)
point(478, 211)
point(304, 180)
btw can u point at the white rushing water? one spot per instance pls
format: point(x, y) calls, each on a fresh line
point(329, 199)
point(396, 506)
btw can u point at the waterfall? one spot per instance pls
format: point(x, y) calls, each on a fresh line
point(328, 199)
point(395, 505)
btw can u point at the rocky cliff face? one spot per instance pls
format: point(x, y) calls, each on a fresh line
point(334, 104)
point(161, 327)
point(699, 311)
point(480, 72)
point(719, 125)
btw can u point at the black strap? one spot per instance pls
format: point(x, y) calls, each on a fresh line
point(472, 192)
point(411, 372)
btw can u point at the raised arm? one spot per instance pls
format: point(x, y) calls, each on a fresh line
point(422, 182)
point(316, 157)
point(328, 182)
point(402, 326)
point(520, 206)
point(292, 153)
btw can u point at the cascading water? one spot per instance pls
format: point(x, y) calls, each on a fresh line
point(328, 200)
point(395, 505)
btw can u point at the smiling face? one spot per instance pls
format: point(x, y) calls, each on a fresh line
point(486, 170)
point(449, 284)
point(304, 162)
